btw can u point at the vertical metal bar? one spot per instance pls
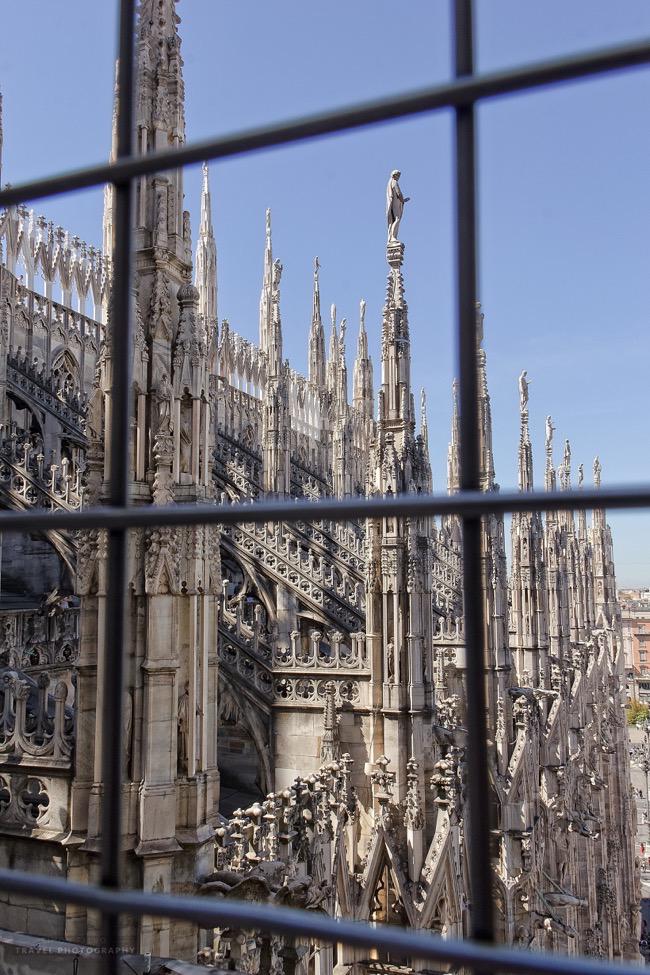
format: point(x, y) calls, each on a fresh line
point(470, 463)
point(120, 393)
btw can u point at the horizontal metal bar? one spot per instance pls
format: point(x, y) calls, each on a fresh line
point(464, 91)
point(211, 912)
point(468, 503)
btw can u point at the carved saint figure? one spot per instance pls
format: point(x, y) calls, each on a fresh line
point(394, 204)
point(390, 659)
point(164, 405)
point(597, 471)
point(277, 274)
point(362, 313)
point(567, 456)
point(550, 430)
point(523, 390)
point(182, 725)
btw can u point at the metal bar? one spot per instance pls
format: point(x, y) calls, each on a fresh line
point(212, 912)
point(478, 791)
point(465, 503)
point(451, 95)
point(118, 448)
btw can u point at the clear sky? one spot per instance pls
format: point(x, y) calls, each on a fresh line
point(564, 195)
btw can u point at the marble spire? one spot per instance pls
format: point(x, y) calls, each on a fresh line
point(485, 409)
point(316, 335)
point(205, 265)
point(525, 448)
point(333, 354)
point(362, 384)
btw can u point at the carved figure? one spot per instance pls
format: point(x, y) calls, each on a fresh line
point(523, 390)
point(164, 405)
point(183, 725)
point(550, 430)
point(394, 205)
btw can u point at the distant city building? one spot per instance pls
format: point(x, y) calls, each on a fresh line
point(635, 623)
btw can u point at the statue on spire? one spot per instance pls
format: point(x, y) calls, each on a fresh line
point(394, 205)
point(598, 469)
point(550, 430)
point(523, 390)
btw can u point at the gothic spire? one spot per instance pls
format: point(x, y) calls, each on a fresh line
point(362, 392)
point(424, 423)
point(485, 409)
point(333, 354)
point(549, 476)
point(342, 372)
point(395, 345)
point(267, 287)
point(525, 449)
point(205, 268)
point(453, 452)
point(160, 124)
point(316, 335)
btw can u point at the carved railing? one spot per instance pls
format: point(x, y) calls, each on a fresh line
point(244, 652)
point(40, 637)
point(317, 580)
point(36, 727)
point(343, 542)
point(312, 691)
point(40, 390)
point(237, 466)
point(31, 482)
point(449, 631)
point(335, 654)
point(55, 316)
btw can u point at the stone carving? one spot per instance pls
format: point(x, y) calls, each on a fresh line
point(394, 205)
point(523, 391)
point(183, 726)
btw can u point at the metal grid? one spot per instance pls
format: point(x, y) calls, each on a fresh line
point(462, 94)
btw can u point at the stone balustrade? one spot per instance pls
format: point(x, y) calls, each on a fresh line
point(328, 588)
point(41, 636)
point(329, 651)
point(31, 481)
point(449, 630)
point(36, 727)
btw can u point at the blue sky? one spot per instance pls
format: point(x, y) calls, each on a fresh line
point(564, 194)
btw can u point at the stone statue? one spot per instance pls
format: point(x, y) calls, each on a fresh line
point(183, 717)
point(277, 274)
point(164, 405)
point(523, 391)
point(567, 456)
point(362, 313)
point(598, 468)
point(550, 430)
point(394, 205)
point(581, 475)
